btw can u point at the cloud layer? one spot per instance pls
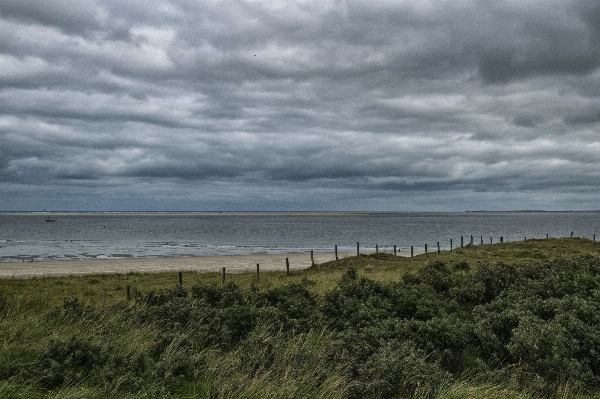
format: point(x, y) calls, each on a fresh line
point(299, 105)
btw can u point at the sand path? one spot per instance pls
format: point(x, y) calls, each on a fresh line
point(232, 263)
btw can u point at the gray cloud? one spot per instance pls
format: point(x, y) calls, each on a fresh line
point(584, 116)
point(299, 105)
point(68, 15)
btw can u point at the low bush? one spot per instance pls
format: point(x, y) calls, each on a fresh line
point(528, 327)
point(71, 360)
point(398, 369)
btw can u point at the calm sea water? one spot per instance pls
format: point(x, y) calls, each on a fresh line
point(116, 235)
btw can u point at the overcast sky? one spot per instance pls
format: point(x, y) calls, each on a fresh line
point(299, 105)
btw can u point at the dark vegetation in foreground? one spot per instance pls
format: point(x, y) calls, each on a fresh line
point(452, 328)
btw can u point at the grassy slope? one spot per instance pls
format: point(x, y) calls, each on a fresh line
point(24, 305)
point(109, 289)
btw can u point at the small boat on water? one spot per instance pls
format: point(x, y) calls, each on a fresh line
point(50, 219)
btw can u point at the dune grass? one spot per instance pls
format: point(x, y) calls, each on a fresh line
point(316, 333)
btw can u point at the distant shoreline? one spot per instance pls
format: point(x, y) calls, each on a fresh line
point(187, 213)
point(269, 213)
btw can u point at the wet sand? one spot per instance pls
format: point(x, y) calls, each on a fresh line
point(200, 264)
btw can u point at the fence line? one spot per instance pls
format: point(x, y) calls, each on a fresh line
point(287, 262)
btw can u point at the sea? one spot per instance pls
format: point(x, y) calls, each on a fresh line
point(112, 235)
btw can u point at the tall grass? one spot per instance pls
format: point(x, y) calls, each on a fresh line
point(271, 366)
point(449, 325)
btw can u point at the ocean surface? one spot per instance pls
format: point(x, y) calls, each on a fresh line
point(119, 235)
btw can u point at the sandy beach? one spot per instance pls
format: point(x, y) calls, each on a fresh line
point(200, 264)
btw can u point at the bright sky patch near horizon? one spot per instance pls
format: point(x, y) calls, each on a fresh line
point(299, 105)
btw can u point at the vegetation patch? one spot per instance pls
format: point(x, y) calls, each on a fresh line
point(443, 326)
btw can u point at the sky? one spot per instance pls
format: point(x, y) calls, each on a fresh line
point(308, 105)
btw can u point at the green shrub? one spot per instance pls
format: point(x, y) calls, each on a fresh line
point(361, 303)
point(294, 307)
point(161, 297)
point(60, 361)
point(398, 369)
point(436, 275)
point(219, 297)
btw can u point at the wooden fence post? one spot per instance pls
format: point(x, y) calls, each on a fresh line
point(376, 248)
point(451, 245)
point(438, 243)
point(394, 249)
point(461, 241)
point(571, 234)
point(336, 255)
point(357, 246)
point(501, 239)
point(180, 280)
point(594, 237)
point(223, 276)
point(425, 249)
point(481, 240)
point(128, 292)
point(287, 265)
point(471, 242)
point(546, 236)
point(411, 251)
point(490, 240)
point(257, 272)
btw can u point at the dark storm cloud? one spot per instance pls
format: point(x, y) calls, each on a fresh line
point(68, 15)
point(590, 116)
point(300, 104)
point(526, 121)
point(551, 38)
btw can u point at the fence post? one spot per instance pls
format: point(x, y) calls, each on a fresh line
point(257, 272)
point(438, 243)
point(501, 239)
point(180, 280)
point(490, 240)
point(336, 255)
point(451, 245)
point(546, 236)
point(471, 242)
point(411, 251)
point(571, 234)
point(287, 265)
point(394, 249)
point(425, 249)
point(223, 276)
point(376, 248)
point(481, 240)
point(312, 258)
point(594, 237)
point(357, 246)
point(461, 241)
point(128, 292)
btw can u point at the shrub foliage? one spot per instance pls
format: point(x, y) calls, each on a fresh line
point(534, 323)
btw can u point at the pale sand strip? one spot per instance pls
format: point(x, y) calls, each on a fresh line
point(200, 264)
